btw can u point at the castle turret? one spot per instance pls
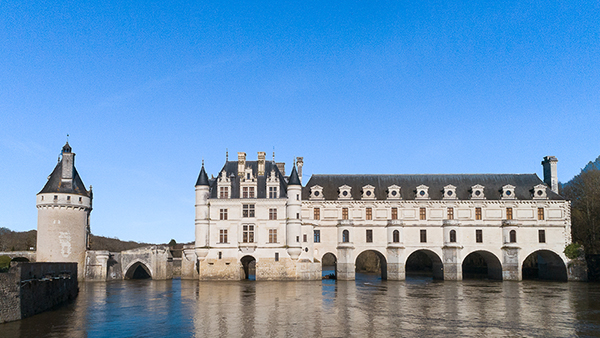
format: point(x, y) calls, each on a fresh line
point(64, 207)
point(202, 214)
point(294, 212)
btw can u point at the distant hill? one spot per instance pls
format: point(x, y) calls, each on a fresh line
point(24, 241)
point(592, 165)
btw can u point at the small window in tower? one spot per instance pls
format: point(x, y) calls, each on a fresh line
point(542, 236)
point(369, 236)
point(220, 255)
point(277, 257)
point(68, 198)
point(450, 213)
point(452, 236)
point(43, 198)
point(317, 213)
point(540, 214)
point(396, 236)
point(423, 234)
point(344, 213)
point(55, 197)
point(369, 215)
point(345, 236)
point(422, 213)
point(509, 213)
point(479, 236)
point(317, 235)
point(513, 236)
point(304, 238)
point(478, 214)
point(394, 213)
point(79, 199)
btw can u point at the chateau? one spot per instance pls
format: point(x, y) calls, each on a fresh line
point(254, 221)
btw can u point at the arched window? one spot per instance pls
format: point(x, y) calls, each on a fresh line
point(345, 236)
point(452, 236)
point(513, 236)
point(396, 236)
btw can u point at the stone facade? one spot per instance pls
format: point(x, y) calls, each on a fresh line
point(252, 212)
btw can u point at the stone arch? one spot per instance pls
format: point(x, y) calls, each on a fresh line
point(20, 259)
point(329, 265)
point(248, 268)
point(480, 264)
point(544, 264)
point(137, 270)
point(371, 261)
point(424, 262)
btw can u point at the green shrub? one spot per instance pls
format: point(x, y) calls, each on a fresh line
point(4, 262)
point(573, 250)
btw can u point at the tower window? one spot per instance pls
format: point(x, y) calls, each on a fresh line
point(369, 214)
point(344, 213)
point(513, 236)
point(277, 257)
point(394, 213)
point(304, 238)
point(317, 236)
point(452, 236)
point(509, 213)
point(478, 214)
point(423, 234)
point(479, 236)
point(369, 236)
point(345, 236)
point(317, 213)
point(396, 236)
point(422, 213)
point(450, 213)
point(540, 214)
point(542, 236)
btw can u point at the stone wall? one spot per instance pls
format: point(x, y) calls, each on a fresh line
point(31, 288)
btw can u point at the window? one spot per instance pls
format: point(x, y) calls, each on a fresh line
point(317, 213)
point(542, 236)
point(272, 192)
point(423, 236)
point(396, 236)
point(317, 235)
point(223, 236)
point(248, 233)
point(422, 213)
point(509, 214)
point(68, 198)
point(272, 235)
point(277, 257)
point(479, 236)
point(55, 197)
point(223, 192)
point(297, 215)
point(223, 214)
point(304, 238)
point(369, 215)
point(452, 236)
point(272, 214)
point(513, 236)
point(250, 192)
point(220, 255)
point(345, 236)
point(344, 213)
point(248, 210)
point(478, 214)
point(245, 192)
point(79, 199)
point(450, 213)
point(369, 236)
point(394, 213)
point(540, 214)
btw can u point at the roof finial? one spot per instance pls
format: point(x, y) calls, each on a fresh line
point(226, 154)
point(202, 162)
point(273, 154)
point(67, 138)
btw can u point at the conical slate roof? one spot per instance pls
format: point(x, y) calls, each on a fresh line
point(202, 178)
point(54, 183)
point(294, 179)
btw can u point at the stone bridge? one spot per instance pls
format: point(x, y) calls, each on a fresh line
point(153, 262)
point(23, 256)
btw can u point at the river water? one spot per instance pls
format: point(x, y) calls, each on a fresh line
point(367, 307)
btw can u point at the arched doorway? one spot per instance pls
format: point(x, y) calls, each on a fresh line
point(371, 262)
point(482, 265)
point(544, 264)
point(424, 263)
point(248, 267)
point(138, 271)
point(329, 266)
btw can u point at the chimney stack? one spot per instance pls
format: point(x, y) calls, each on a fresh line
point(241, 163)
point(550, 174)
point(261, 163)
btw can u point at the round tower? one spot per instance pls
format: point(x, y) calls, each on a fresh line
point(202, 214)
point(64, 207)
point(294, 212)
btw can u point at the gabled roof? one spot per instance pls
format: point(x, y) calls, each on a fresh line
point(54, 183)
point(436, 183)
point(231, 170)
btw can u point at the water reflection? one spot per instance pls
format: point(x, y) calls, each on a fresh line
point(367, 307)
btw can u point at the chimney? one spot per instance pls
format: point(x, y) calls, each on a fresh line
point(261, 163)
point(550, 175)
point(300, 163)
point(241, 163)
point(281, 167)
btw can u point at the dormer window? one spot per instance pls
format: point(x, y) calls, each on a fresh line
point(316, 192)
point(223, 185)
point(508, 192)
point(345, 192)
point(539, 192)
point(368, 192)
point(393, 192)
point(449, 192)
point(273, 185)
point(422, 192)
point(477, 192)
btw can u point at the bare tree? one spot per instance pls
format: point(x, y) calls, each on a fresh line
point(584, 193)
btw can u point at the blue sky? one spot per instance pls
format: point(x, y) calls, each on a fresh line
point(148, 89)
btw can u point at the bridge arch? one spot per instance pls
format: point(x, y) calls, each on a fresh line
point(371, 261)
point(480, 264)
point(424, 262)
point(329, 265)
point(544, 264)
point(137, 270)
point(248, 267)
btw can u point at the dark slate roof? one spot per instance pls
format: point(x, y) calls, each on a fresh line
point(231, 168)
point(54, 183)
point(493, 183)
point(294, 179)
point(202, 177)
point(66, 148)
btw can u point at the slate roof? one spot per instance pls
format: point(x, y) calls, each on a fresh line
point(493, 183)
point(54, 183)
point(231, 168)
point(202, 177)
point(294, 179)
